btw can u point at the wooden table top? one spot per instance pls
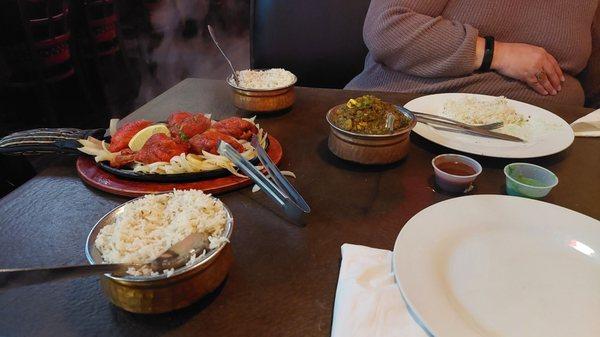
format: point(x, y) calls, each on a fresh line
point(284, 276)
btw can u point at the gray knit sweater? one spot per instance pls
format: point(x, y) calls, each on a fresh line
point(428, 46)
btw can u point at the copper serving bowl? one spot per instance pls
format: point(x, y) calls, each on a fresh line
point(369, 149)
point(159, 294)
point(262, 100)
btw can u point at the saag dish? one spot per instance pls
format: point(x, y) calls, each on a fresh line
point(367, 115)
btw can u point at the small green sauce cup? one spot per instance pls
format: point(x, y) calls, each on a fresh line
point(528, 180)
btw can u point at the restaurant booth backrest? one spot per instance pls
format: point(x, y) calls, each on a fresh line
point(318, 40)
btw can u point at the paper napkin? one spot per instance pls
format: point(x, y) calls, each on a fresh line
point(368, 302)
point(588, 125)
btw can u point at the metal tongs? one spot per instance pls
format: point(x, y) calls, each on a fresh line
point(278, 187)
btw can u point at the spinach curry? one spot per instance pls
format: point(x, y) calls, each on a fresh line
point(367, 115)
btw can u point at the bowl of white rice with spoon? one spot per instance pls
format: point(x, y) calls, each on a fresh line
point(142, 229)
point(263, 90)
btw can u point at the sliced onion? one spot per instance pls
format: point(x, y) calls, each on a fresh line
point(112, 127)
point(289, 174)
point(105, 146)
point(95, 141)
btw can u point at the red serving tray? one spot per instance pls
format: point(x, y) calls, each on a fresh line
point(96, 177)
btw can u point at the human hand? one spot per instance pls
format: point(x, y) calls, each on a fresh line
point(530, 64)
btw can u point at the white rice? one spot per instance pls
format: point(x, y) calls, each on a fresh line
point(475, 111)
point(265, 79)
point(169, 272)
point(149, 226)
point(195, 257)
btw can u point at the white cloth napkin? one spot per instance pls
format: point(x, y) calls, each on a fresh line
point(588, 125)
point(368, 302)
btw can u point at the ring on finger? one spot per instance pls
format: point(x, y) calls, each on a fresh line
point(540, 75)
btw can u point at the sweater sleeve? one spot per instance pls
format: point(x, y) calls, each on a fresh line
point(590, 77)
point(410, 36)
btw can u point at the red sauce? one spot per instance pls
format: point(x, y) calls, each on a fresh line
point(456, 168)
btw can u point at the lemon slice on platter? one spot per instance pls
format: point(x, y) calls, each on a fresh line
point(139, 139)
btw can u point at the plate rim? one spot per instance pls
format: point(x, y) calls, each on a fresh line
point(415, 312)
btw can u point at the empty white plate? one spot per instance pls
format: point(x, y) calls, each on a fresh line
point(501, 266)
point(545, 133)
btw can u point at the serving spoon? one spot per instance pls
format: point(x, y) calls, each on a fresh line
point(389, 122)
point(174, 257)
point(233, 71)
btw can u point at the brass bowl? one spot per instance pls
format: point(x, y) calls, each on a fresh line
point(262, 101)
point(159, 294)
point(369, 149)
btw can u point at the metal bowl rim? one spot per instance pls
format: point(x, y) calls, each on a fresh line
point(229, 81)
point(408, 128)
point(208, 258)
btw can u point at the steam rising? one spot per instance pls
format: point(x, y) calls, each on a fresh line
point(185, 49)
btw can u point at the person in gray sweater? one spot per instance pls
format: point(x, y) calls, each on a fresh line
point(534, 51)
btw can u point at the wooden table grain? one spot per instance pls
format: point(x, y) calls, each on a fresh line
point(284, 277)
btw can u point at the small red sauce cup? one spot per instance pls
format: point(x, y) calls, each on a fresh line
point(455, 173)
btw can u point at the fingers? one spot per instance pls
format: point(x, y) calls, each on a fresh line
point(553, 77)
point(548, 79)
point(543, 79)
point(557, 68)
point(548, 76)
point(537, 86)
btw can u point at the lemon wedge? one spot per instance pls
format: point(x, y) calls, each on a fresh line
point(139, 139)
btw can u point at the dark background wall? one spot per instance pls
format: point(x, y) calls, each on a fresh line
point(156, 44)
point(78, 63)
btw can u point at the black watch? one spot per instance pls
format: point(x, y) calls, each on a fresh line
point(488, 54)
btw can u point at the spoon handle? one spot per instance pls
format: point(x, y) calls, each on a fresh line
point(389, 122)
point(12, 278)
point(212, 36)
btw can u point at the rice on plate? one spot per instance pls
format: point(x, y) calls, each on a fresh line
point(477, 111)
point(150, 225)
point(474, 111)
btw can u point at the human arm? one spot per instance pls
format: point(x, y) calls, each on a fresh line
point(410, 36)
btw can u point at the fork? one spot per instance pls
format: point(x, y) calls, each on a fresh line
point(490, 126)
point(435, 120)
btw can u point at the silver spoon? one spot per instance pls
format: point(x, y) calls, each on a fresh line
point(174, 257)
point(389, 122)
point(233, 71)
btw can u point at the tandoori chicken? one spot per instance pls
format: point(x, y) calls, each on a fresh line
point(209, 141)
point(184, 125)
point(121, 138)
point(160, 148)
point(236, 127)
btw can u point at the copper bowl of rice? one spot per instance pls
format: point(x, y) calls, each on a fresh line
point(173, 289)
point(263, 91)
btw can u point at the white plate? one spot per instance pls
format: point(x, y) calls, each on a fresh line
point(545, 133)
point(501, 266)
